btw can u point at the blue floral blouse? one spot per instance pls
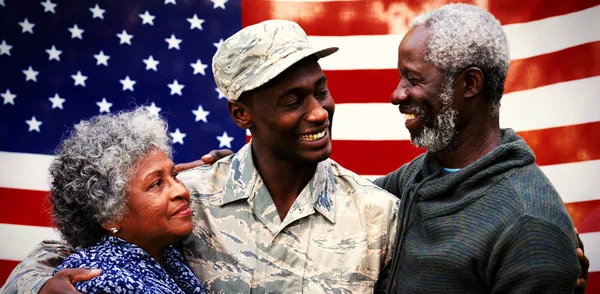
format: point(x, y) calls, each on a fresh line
point(127, 268)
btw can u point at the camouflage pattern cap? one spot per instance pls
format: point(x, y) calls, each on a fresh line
point(258, 53)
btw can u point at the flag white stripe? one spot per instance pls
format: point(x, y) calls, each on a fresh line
point(25, 171)
point(525, 39)
point(550, 106)
point(18, 241)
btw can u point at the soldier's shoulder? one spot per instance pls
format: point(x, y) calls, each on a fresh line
point(359, 186)
point(207, 177)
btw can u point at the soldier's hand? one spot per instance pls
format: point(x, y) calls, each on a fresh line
point(584, 262)
point(209, 158)
point(64, 280)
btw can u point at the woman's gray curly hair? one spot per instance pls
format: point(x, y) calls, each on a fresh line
point(461, 36)
point(93, 167)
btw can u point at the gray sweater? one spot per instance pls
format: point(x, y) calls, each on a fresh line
point(495, 226)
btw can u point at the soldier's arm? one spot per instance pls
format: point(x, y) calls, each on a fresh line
point(210, 158)
point(37, 268)
point(391, 241)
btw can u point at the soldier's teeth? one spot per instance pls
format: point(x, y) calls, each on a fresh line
point(313, 137)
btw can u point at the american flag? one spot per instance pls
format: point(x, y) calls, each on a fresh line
point(551, 93)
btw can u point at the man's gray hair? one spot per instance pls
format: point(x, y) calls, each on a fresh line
point(93, 167)
point(462, 36)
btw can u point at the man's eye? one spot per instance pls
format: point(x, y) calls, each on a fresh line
point(294, 103)
point(322, 94)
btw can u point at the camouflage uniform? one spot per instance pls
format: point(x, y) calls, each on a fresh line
point(336, 238)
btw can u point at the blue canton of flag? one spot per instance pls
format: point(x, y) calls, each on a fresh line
point(64, 61)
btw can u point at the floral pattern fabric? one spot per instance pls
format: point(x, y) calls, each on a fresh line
point(127, 268)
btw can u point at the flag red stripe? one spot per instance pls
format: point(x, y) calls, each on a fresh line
point(24, 207)
point(593, 282)
point(364, 86)
point(343, 18)
point(552, 146)
point(585, 215)
point(510, 12)
point(6, 266)
point(565, 144)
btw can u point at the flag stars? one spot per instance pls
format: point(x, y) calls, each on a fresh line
point(225, 140)
point(147, 18)
point(173, 42)
point(57, 102)
point(49, 6)
point(199, 67)
point(26, 26)
point(151, 63)
point(30, 74)
point(170, 2)
point(195, 22)
point(177, 136)
point(125, 38)
point(201, 114)
point(220, 93)
point(97, 12)
point(79, 79)
point(76, 32)
point(218, 3)
point(8, 97)
point(34, 124)
point(152, 109)
point(2, 3)
point(218, 44)
point(53, 53)
point(101, 58)
point(176, 88)
point(104, 105)
point(5, 48)
point(127, 84)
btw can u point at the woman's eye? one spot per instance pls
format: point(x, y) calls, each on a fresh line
point(156, 184)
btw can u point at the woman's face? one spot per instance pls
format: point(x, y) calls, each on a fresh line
point(158, 212)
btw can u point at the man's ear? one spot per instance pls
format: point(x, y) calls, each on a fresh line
point(473, 81)
point(240, 113)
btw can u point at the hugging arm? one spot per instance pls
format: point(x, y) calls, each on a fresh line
point(34, 273)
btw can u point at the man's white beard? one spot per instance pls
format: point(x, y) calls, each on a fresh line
point(440, 136)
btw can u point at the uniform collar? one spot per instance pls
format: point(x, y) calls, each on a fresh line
point(244, 182)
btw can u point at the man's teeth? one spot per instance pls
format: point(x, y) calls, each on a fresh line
point(313, 137)
point(409, 116)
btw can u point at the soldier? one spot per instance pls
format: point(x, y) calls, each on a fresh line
point(278, 216)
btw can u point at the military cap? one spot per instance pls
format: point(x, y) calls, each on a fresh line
point(258, 53)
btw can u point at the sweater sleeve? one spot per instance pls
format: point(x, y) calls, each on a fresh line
point(32, 273)
point(533, 256)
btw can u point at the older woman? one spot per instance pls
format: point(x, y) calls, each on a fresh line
point(115, 196)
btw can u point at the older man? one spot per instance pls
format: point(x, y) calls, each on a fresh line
point(478, 215)
point(278, 216)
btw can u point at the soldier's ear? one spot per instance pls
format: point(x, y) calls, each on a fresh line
point(240, 113)
point(473, 81)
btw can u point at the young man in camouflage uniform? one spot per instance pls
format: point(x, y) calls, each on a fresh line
point(278, 216)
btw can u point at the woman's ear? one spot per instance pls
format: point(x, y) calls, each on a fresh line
point(240, 113)
point(473, 81)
